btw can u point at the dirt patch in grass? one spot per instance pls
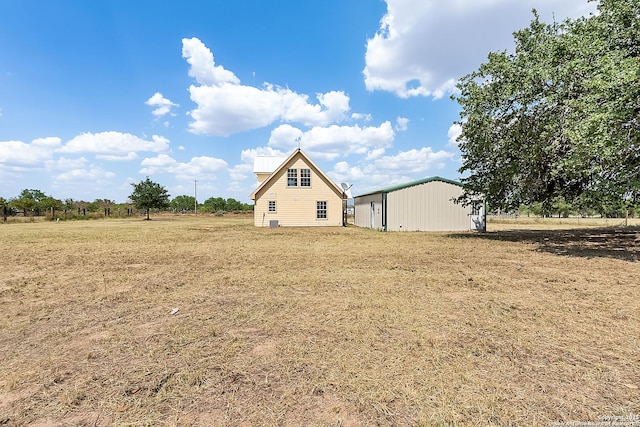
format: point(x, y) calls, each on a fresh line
point(324, 327)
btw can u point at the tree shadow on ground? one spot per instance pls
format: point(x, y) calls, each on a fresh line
point(607, 242)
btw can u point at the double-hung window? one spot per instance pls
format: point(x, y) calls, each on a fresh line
point(321, 210)
point(272, 205)
point(292, 177)
point(305, 177)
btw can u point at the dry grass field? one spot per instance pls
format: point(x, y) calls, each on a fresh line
point(530, 324)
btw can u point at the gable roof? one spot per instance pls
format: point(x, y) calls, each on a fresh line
point(283, 165)
point(412, 184)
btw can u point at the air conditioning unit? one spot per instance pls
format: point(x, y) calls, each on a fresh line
point(273, 223)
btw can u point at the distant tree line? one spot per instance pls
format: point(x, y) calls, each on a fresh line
point(560, 208)
point(146, 196)
point(186, 203)
point(33, 202)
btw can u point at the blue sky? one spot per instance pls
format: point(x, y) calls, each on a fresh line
point(96, 95)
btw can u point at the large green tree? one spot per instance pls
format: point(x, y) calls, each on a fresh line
point(557, 118)
point(233, 205)
point(49, 204)
point(183, 203)
point(149, 195)
point(29, 200)
point(214, 204)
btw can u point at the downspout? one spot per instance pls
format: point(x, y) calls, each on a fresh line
point(384, 211)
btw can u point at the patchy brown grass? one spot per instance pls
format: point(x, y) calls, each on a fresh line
point(319, 327)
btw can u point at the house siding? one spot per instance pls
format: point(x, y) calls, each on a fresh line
point(296, 206)
point(262, 176)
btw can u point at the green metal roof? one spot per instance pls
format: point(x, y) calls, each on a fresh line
point(412, 184)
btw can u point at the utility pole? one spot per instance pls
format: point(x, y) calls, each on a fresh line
point(195, 196)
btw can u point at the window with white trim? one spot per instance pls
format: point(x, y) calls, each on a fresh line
point(305, 177)
point(272, 205)
point(292, 177)
point(321, 209)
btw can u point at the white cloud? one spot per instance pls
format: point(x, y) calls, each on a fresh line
point(203, 67)
point(373, 174)
point(18, 153)
point(225, 107)
point(111, 157)
point(203, 167)
point(362, 178)
point(50, 142)
point(348, 173)
point(228, 109)
point(423, 47)
point(162, 105)
point(240, 172)
point(249, 155)
point(402, 124)
point(91, 174)
point(113, 143)
point(375, 153)
point(360, 116)
point(455, 130)
point(286, 137)
point(160, 163)
point(328, 143)
point(332, 108)
point(83, 181)
point(64, 163)
point(412, 161)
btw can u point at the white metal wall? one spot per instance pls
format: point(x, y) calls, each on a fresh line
point(427, 207)
point(363, 214)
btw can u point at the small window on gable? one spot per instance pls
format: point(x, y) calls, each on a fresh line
point(292, 177)
point(305, 177)
point(272, 205)
point(321, 210)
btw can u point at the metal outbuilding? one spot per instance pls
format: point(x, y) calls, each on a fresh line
point(425, 205)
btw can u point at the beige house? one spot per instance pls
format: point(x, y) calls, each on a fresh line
point(295, 193)
point(424, 205)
